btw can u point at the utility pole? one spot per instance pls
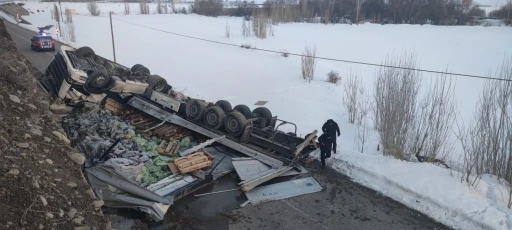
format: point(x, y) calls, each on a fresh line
point(60, 5)
point(112, 33)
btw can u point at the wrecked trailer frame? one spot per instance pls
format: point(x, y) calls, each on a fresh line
point(70, 77)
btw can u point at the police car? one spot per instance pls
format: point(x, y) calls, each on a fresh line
point(42, 41)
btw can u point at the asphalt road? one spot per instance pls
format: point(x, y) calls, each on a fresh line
point(342, 205)
point(21, 37)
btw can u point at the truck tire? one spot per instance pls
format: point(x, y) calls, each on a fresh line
point(263, 112)
point(195, 110)
point(98, 82)
point(235, 123)
point(245, 110)
point(157, 83)
point(214, 117)
point(141, 68)
point(225, 105)
point(84, 52)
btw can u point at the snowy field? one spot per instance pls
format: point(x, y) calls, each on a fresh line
point(214, 72)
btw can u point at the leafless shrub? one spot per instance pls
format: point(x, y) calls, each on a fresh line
point(435, 116)
point(127, 8)
point(93, 8)
point(56, 14)
point(333, 77)
point(246, 29)
point(228, 31)
point(350, 96)
point(166, 9)
point(260, 24)
point(308, 63)
point(159, 9)
point(285, 53)
point(69, 16)
point(144, 7)
point(363, 109)
point(487, 142)
point(247, 46)
point(396, 93)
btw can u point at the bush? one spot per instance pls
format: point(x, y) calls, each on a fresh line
point(93, 8)
point(333, 77)
point(308, 63)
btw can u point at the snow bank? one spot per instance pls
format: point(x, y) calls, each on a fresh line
point(214, 72)
point(430, 190)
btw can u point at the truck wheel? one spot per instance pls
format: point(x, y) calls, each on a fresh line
point(98, 82)
point(214, 117)
point(141, 68)
point(157, 83)
point(235, 123)
point(139, 76)
point(84, 52)
point(263, 112)
point(195, 110)
point(245, 110)
point(225, 105)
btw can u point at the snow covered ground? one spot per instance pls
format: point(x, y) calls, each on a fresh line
point(213, 72)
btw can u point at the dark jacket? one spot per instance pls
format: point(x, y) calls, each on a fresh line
point(325, 142)
point(331, 127)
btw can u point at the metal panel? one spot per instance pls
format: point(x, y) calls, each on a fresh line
point(283, 190)
point(247, 168)
point(161, 114)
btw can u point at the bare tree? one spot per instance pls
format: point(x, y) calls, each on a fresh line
point(127, 8)
point(246, 30)
point(144, 7)
point(69, 16)
point(228, 31)
point(350, 96)
point(260, 24)
point(308, 63)
point(359, 4)
point(93, 8)
point(71, 32)
point(159, 9)
point(434, 122)
point(396, 93)
point(363, 108)
point(56, 14)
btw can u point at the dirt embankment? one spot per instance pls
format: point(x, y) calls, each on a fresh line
point(13, 9)
point(41, 186)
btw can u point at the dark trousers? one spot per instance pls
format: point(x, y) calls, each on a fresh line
point(323, 154)
point(333, 140)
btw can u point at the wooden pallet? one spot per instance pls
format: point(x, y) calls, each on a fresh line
point(168, 148)
point(116, 108)
point(192, 162)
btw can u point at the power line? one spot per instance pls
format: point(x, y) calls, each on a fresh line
point(316, 57)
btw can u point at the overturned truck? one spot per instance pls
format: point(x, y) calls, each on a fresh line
point(79, 77)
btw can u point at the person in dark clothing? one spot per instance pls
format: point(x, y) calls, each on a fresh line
point(331, 128)
point(324, 141)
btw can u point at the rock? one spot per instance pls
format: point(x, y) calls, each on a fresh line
point(36, 132)
point(90, 193)
point(9, 223)
point(23, 155)
point(14, 98)
point(47, 139)
point(46, 151)
point(61, 137)
point(78, 220)
point(27, 136)
point(71, 184)
point(49, 215)
point(52, 184)
point(49, 161)
point(14, 172)
point(61, 213)
point(23, 145)
point(72, 213)
point(32, 106)
point(82, 228)
point(35, 183)
point(43, 200)
point(41, 226)
point(61, 109)
point(77, 158)
point(55, 170)
point(98, 203)
point(57, 179)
